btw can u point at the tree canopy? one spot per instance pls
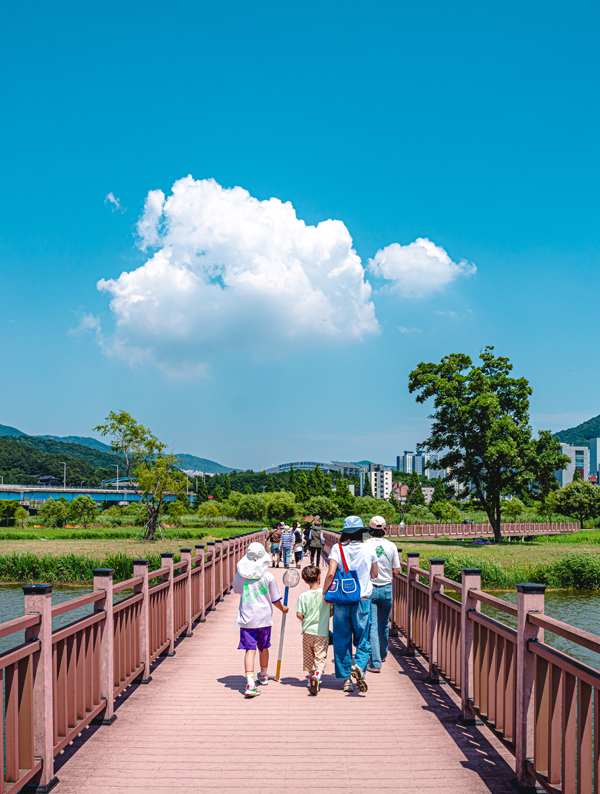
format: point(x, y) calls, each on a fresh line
point(480, 425)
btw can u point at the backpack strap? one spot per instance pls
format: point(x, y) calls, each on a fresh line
point(342, 555)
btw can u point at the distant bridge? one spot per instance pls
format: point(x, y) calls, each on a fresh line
point(34, 494)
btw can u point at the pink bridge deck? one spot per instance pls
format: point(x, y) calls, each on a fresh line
point(192, 730)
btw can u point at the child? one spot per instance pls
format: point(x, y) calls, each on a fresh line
point(298, 544)
point(314, 613)
point(259, 592)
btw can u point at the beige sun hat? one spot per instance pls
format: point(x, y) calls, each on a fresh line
point(256, 562)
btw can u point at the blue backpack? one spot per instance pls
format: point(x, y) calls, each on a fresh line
point(345, 588)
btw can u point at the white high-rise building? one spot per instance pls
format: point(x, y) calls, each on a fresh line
point(580, 459)
point(417, 461)
point(381, 480)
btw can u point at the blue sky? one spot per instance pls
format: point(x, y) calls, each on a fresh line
point(470, 125)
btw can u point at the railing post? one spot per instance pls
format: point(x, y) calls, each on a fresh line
point(140, 568)
point(530, 598)
point(227, 575)
point(471, 580)
point(103, 580)
point(412, 561)
point(212, 549)
point(221, 589)
point(167, 562)
point(394, 630)
point(186, 554)
point(200, 553)
point(38, 601)
point(436, 568)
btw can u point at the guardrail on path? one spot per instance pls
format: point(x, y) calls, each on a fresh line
point(542, 704)
point(480, 530)
point(58, 682)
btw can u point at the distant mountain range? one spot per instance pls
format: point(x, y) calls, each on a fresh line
point(580, 436)
point(102, 455)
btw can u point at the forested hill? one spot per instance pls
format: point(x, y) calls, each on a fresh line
point(202, 464)
point(20, 461)
point(94, 457)
point(579, 436)
point(85, 441)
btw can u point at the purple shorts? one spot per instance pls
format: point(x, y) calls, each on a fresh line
point(251, 638)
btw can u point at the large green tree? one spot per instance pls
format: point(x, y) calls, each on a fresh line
point(152, 472)
point(201, 493)
point(439, 491)
point(83, 510)
point(367, 490)
point(579, 500)
point(481, 427)
point(302, 490)
point(291, 480)
point(343, 498)
point(415, 492)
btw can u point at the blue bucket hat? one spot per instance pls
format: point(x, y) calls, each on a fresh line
point(353, 524)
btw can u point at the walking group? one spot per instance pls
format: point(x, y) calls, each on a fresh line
point(357, 593)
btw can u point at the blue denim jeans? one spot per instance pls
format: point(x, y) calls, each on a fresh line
point(381, 606)
point(351, 624)
point(286, 551)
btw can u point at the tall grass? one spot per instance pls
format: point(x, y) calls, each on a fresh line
point(574, 571)
point(121, 533)
point(66, 568)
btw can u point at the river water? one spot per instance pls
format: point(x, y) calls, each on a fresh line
point(580, 608)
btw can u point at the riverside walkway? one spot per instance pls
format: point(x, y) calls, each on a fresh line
point(192, 730)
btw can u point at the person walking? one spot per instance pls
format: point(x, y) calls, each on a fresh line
point(316, 541)
point(275, 539)
point(314, 613)
point(352, 622)
point(298, 546)
point(388, 564)
point(287, 539)
point(306, 535)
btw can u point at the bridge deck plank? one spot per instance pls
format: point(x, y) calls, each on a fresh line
point(191, 729)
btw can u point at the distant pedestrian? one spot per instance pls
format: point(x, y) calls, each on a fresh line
point(306, 535)
point(352, 621)
point(314, 613)
point(297, 543)
point(275, 539)
point(388, 564)
point(316, 541)
point(258, 593)
point(287, 541)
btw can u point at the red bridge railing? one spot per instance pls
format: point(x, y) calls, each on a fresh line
point(480, 530)
point(542, 704)
point(58, 682)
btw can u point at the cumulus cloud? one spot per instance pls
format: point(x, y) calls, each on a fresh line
point(116, 204)
point(418, 269)
point(404, 330)
point(229, 271)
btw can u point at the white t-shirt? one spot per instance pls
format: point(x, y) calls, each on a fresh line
point(256, 602)
point(387, 558)
point(359, 558)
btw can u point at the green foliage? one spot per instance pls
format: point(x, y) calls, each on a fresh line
point(445, 512)
point(291, 486)
point(439, 491)
point(512, 509)
point(415, 492)
point(579, 500)
point(54, 512)
point(322, 506)
point(248, 489)
point(151, 471)
point(419, 514)
point(344, 499)
point(282, 506)
point(175, 510)
point(481, 427)
point(19, 462)
point(209, 509)
point(366, 507)
point(302, 491)
point(96, 458)
point(8, 510)
point(580, 435)
point(201, 493)
point(252, 508)
point(83, 510)
point(226, 486)
point(367, 490)
point(270, 483)
point(218, 493)
point(20, 515)
point(577, 476)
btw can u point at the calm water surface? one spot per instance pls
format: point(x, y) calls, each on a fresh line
point(11, 606)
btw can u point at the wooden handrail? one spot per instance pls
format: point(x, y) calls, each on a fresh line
point(75, 603)
point(497, 603)
point(449, 583)
point(18, 624)
point(578, 636)
point(127, 584)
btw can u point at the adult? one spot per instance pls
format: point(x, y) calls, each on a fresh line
point(287, 539)
point(316, 541)
point(275, 540)
point(306, 534)
point(298, 545)
point(388, 563)
point(352, 622)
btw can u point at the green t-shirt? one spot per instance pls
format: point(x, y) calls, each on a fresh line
point(316, 613)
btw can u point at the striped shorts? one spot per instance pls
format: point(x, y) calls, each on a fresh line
point(314, 652)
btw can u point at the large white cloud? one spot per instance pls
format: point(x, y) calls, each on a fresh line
point(231, 271)
point(418, 269)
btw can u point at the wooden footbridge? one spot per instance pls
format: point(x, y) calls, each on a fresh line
point(145, 693)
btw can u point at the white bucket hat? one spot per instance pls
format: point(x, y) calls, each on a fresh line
point(256, 562)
